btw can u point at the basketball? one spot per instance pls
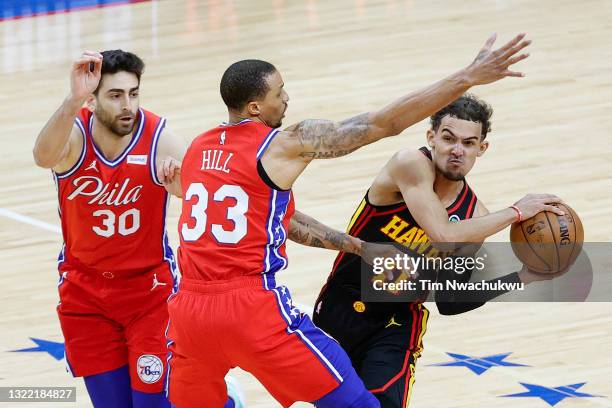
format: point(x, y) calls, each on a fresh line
point(548, 243)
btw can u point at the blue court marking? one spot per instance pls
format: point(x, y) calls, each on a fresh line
point(54, 348)
point(478, 365)
point(16, 9)
point(552, 396)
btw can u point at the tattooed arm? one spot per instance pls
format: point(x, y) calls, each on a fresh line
point(307, 231)
point(291, 150)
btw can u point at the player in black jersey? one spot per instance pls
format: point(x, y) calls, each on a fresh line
point(420, 199)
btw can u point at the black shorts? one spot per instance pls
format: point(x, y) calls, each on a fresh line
point(383, 342)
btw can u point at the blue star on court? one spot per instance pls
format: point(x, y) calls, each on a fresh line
point(479, 365)
point(55, 349)
point(552, 396)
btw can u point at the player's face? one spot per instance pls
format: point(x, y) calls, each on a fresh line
point(455, 146)
point(116, 103)
point(272, 108)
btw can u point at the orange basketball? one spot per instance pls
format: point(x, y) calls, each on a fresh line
point(548, 243)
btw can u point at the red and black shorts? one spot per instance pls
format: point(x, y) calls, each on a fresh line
point(383, 345)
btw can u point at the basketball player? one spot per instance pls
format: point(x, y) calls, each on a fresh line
point(116, 266)
point(236, 180)
point(420, 197)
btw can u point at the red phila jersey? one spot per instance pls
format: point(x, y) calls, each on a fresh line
point(113, 212)
point(232, 224)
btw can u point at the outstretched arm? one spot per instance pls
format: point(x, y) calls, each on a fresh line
point(58, 143)
point(325, 139)
point(307, 231)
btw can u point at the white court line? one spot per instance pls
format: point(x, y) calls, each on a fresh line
point(520, 376)
point(31, 221)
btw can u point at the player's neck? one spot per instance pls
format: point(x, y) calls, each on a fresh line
point(446, 189)
point(237, 117)
point(110, 143)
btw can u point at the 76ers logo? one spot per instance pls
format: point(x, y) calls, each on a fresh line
point(150, 368)
point(104, 194)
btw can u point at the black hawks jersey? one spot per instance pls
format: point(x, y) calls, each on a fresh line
point(392, 223)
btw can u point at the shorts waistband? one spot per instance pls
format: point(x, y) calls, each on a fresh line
point(220, 286)
point(113, 274)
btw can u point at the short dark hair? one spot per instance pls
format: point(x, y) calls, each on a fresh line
point(245, 81)
point(114, 61)
point(466, 107)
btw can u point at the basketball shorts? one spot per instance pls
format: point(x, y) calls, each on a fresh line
point(383, 341)
point(110, 320)
point(249, 323)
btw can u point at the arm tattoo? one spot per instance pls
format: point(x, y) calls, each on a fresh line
point(337, 239)
point(298, 231)
point(316, 242)
point(322, 139)
point(310, 232)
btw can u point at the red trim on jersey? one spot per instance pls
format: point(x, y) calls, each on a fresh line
point(395, 210)
point(472, 206)
point(458, 204)
point(361, 217)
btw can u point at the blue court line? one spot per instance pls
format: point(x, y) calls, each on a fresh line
point(16, 9)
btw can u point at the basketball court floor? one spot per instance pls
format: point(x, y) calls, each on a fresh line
point(551, 133)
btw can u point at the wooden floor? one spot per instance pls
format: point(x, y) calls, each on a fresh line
point(551, 133)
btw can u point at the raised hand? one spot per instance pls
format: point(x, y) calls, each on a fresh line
point(490, 66)
point(532, 204)
point(83, 80)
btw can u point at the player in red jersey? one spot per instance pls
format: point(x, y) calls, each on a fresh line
point(237, 181)
point(116, 266)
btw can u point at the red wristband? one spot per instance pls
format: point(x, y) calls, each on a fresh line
point(519, 213)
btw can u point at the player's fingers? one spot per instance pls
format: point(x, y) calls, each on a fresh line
point(173, 169)
point(92, 53)
point(512, 51)
point(553, 209)
point(551, 199)
point(511, 43)
point(508, 73)
point(516, 59)
point(83, 62)
point(489, 43)
point(160, 173)
point(166, 167)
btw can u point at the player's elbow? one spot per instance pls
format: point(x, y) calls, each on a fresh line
point(41, 159)
point(442, 237)
point(446, 308)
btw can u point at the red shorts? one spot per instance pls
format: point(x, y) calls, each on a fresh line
point(215, 326)
point(109, 321)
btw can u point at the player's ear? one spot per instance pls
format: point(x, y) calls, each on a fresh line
point(91, 102)
point(253, 109)
point(484, 145)
point(430, 138)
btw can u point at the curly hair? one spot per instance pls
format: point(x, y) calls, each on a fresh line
point(466, 107)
